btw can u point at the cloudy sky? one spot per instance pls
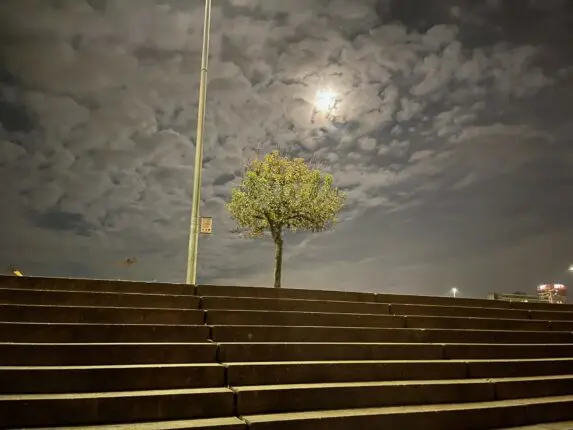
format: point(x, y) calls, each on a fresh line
point(452, 138)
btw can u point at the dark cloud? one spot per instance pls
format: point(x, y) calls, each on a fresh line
point(451, 137)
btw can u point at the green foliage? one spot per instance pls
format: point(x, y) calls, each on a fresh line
point(278, 193)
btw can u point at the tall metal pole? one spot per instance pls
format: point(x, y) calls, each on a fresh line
point(194, 231)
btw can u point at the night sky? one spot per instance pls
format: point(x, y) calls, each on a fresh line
point(452, 137)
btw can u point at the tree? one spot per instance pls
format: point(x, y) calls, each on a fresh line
point(279, 193)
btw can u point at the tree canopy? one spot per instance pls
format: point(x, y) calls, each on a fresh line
point(280, 193)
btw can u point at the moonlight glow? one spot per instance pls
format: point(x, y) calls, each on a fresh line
point(325, 101)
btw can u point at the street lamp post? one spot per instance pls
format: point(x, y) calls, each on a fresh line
point(191, 276)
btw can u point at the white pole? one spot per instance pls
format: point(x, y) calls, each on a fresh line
point(191, 277)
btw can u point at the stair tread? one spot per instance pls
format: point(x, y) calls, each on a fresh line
point(468, 330)
point(398, 382)
point(65, 344)
point(30, 323)
point(386, 344)
point(558, 425)
point(112, 394)
point(390, 315)
point(109, 366)
point(419, 362)
point(114, 293)
point(287, 299)
point(231, 422)
point(68, 306)
point(398, 410)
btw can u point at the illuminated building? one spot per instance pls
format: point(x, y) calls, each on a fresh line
point(552, 293)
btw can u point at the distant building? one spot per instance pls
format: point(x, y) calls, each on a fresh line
point(552, 293)
point(546, 293)
point(515, 297)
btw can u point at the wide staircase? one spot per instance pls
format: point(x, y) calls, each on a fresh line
point(126, 355)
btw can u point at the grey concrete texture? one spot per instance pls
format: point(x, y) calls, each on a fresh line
point(86, 354)
point(73, 333)
point(340, 371)
point(314, 305)
point(477, 323)
point(300, 305)
point(252, 352)
point(230, 317)
point(268, 373)
point(260, 352)
point(99, 315)
point(564, 425)
point(354, 359)
point(97, 298)
point(228, 423)
point(515, 351)
point(266, 333)
point(521, 367)
point(456, 311)
point(21, 411)
point(78, 379)
point(476, 416)
point(291, 318)
point(265, 292)
point(72, 284)
point(315, 397)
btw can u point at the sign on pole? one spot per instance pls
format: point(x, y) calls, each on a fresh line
point(206, 225)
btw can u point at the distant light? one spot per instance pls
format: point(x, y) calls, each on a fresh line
point(570, 268)
point(325, 101)
point(454, 291)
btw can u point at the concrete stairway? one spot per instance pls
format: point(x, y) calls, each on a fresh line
point(125, 355)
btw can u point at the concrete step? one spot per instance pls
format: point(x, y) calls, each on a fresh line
point(253, 352)
point(562, 425)
point(488, 350)
point(458, 311)
point(70, 333)
point(44, 410)
point(290, 293)
point(307, 372)
point(351, 296)
point(464, 416)
point(299, 305)
point(562, 325)
point(286, 293)
point(70, 284)
point(266, 333)
point(324, 351)
point(551, 315)
point(514, 368)
point(80, 379)
point(219, 317)
point(247, 317)
point(559, 307)
point(94, 298)
point(314, 397)
point(86, 354)
point(329, 306)
point(416, 321)
point(90, 314)
point(209, 423)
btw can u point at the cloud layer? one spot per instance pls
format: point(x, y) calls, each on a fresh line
point(450, 132)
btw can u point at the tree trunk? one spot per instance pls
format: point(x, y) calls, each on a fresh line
point(278, 258)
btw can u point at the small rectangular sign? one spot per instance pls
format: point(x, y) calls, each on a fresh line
point(206, 225)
